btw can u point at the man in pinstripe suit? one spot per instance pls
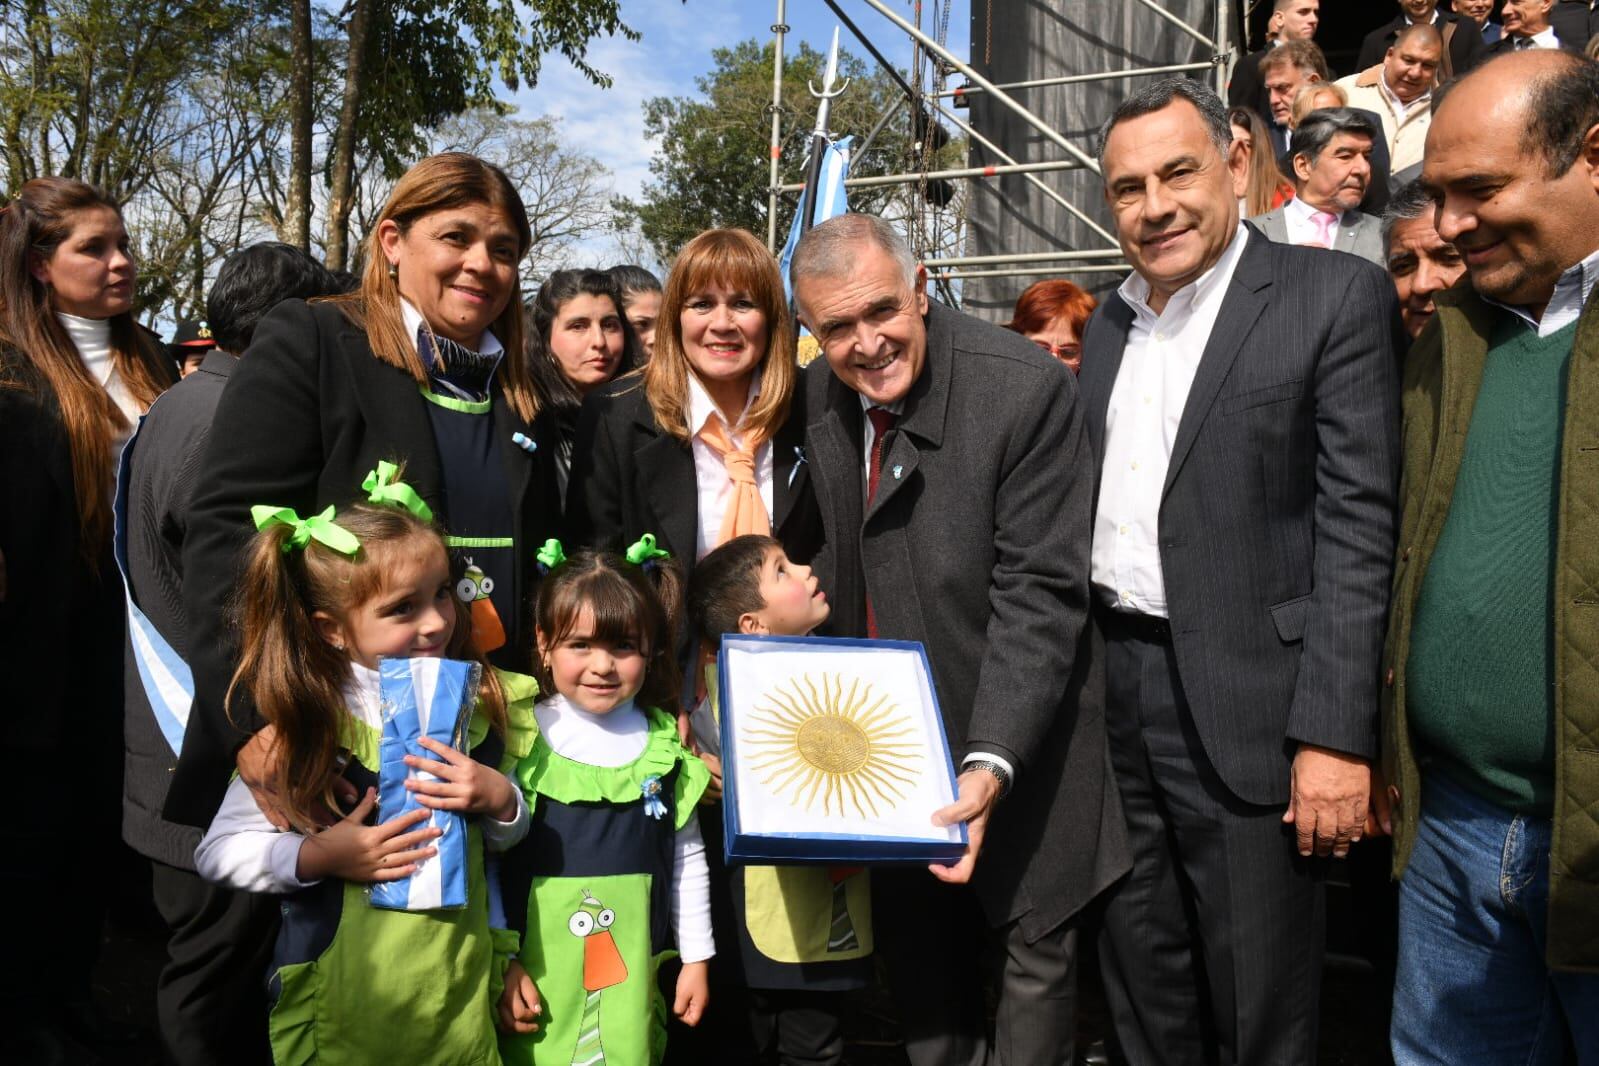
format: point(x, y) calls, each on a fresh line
point(1241, 399)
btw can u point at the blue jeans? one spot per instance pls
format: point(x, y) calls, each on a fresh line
point(1472, 986)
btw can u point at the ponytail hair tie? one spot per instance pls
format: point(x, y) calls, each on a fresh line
point(319, 527)
point(643, 552)
point(382, 488)
point(550, 555)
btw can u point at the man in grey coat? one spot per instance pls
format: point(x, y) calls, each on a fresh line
point(210, 996)
point(954, 480)
point(1242, 404)
point(1331, 157)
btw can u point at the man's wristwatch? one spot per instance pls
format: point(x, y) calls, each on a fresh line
point(1001, 774)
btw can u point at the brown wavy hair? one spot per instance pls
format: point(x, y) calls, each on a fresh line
point(38, 220)
point(642, 604)
point(295, 677)
point(442, 183)
point(733, 258)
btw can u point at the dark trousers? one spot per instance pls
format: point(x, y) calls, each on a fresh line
point(62, 847)
point(800, 1028)
point(933, 937)
point(211, 996)
point(1212, 946)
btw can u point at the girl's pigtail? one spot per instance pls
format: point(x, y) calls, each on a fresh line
point(291, 675)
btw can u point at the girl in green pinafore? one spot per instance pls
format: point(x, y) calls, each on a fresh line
point(321, 600)
point(612, 878)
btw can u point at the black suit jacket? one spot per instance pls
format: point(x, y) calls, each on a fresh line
point(1466, 49)
point(1277, 518)
point(1247, 88)
point(1574, 23)
point(307, 413)
point(977, 546)
point(61, 618)
point(629, 477)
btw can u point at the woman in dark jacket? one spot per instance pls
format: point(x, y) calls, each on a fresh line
point(577, 340)
point(651, 447)
point(76, 372)
point(416, 367)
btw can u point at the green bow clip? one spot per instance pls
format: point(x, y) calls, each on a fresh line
point(643, 550)
point(382, 488)
point(551, 554)
point(319, 527)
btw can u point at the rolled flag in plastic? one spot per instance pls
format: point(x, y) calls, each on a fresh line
point(424, 698)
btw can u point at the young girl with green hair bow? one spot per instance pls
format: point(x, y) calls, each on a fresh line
point(612, 878)
point(321, 601)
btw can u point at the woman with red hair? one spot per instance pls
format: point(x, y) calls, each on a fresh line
point(1052, 315)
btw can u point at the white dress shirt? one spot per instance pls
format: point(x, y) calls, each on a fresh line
point(1300, 219)
point(1146, 405)
point(1543, 39)
point(711, 483)
point(1565, 303)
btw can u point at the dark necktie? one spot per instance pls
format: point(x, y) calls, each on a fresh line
point(882, 421)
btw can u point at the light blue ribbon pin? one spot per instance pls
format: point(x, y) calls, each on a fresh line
point(898, 470)
point(654, 806)
point(526, 443)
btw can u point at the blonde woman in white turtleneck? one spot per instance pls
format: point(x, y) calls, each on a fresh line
point(75, 373)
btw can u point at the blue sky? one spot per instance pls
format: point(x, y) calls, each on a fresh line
point(676, 48)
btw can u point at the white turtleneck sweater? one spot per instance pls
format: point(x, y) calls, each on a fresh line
point(616, 738)
point(245, 851)
point(92, 338)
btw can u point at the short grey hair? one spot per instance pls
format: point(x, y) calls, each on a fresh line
point(1317, 129)
point(1157, 97)
point(831, 249)
point(1409, 203)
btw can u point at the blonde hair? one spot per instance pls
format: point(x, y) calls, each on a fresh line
point(733, 258)
point(1305, 100)
point(293, 676)
point(441, 183)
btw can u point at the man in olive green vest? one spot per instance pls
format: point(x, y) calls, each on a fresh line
point(1492, 697)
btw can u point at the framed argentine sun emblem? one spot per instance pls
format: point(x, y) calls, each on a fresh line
point(833, 751)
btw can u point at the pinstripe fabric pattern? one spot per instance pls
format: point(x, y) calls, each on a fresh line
point(1277, 517)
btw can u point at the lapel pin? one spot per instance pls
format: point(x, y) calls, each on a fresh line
point(799, 461)
point(526, 443)
point(898, 470)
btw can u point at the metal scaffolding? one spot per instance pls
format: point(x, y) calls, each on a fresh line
point(924, 89)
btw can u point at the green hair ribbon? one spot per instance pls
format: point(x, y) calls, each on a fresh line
point(382, 488)
point(319, 527)
point(643, 552)
point(550, 555)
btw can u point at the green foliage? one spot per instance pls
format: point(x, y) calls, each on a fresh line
point(712, 168)
point(427, 61)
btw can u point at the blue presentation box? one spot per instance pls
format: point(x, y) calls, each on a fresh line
point(833, 753)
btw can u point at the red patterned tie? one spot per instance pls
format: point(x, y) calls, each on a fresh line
point(882, 421)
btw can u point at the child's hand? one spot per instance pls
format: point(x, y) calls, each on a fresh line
point(464, 784)
point(519, 1003)
point(713, 791)
point(693, 992)
point(352, 851)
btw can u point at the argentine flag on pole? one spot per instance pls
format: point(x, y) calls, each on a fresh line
point(423, 698)
point(830, 201)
